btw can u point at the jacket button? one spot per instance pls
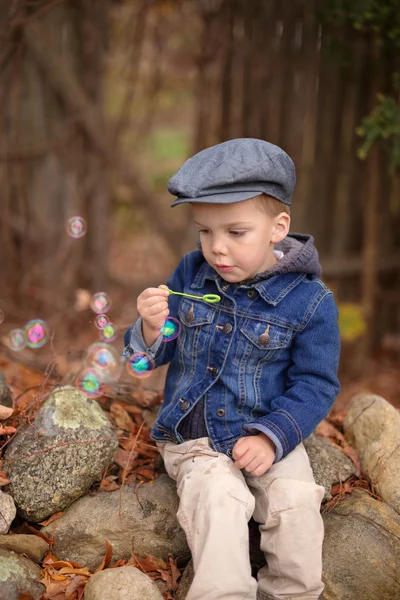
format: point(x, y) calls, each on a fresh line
point(264, 339)
point(185, 404)
point(214, 371)
point(229, 452)
point(220, 412)
point(227, 328)
point(189, 317)
point(251, 293)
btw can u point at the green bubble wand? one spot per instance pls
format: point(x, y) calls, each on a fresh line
point(209, 298)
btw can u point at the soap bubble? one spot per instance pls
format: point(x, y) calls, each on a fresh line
point(36, 333)
point(101, 321)
point(109, 333)
point(105, 361)
point(140, 365)
point(100, 303)
point(16, 340)
point(2, 316)
point(89, 382)
point(171, 329)
point(76, 227)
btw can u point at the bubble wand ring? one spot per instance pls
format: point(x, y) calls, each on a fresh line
point(209, 298)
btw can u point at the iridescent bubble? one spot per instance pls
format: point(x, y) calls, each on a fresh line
point(16, 340)
point(171, 329)
point(36, 333)
point(101, 321)
point(140, 365)
point(105, 361)
point(2, 316)
point(109, 333)
point(100, 303)
point(76, 227)
point(89, 382)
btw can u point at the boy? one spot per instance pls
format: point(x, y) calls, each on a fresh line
point(250, 377)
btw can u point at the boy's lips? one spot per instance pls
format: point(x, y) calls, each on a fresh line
point(224, 267)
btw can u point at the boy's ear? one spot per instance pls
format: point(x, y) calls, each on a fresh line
point(281, 227)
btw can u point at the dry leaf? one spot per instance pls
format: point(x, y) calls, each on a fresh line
point(107, 558)
point(3, 479)
point(124, 459)
point(52, 518)
point(326, 429)
point(7, 430)
point(120, 417)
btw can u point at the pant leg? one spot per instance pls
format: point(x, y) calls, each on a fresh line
point(288, 509)
point(214, 509)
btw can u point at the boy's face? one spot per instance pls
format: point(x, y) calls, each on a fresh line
point(238, 239)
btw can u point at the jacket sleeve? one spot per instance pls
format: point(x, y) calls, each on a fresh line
point(312, 382)
point(161, 352)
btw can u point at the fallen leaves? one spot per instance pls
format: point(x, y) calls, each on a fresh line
point(66, 580)
point(329, 428)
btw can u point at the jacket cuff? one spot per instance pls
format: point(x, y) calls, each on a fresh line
point(137, 343)
point(283, 426)
point(264, 429)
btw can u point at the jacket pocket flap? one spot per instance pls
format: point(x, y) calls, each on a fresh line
point(279, 337)
point(193, 313)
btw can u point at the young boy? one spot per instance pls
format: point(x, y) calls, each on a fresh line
point(250, 376)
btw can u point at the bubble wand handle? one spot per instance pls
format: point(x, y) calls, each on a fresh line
point(210, 298)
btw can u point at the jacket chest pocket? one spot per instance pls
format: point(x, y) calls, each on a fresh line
point(259, 342)
point(196, 318)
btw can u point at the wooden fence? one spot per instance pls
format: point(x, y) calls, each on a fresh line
point(268, 69)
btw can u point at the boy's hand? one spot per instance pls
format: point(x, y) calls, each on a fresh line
point(255, 453)
point(152, 306)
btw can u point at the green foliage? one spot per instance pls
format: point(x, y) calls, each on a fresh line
point(383, 123)
point(352, 324)
point(381, 19)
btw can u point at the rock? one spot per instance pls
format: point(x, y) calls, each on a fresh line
point(31, 545)
point(361, 552)
point(373, 427)
point(142, 520)
point(7, 512)
point(328, 463)
point(185, 582)
point(5, 394)
point(57, 458)
point(18, 574)
point(121, 583)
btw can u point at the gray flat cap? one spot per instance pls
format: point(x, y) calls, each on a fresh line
point(234, 171)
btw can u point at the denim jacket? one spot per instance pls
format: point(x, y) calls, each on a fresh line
point(265, 358)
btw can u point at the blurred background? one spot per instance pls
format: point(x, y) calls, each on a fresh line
point(102, 100)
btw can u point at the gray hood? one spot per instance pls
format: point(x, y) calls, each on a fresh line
point(299, 256)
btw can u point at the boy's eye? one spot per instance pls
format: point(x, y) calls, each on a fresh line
point(237, 233)
point(203, 230)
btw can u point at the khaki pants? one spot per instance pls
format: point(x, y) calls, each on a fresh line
point(216, 502)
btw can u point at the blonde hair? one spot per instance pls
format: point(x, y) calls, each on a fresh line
point(271, 206)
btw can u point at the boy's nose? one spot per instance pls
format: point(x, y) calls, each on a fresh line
point(218, 247)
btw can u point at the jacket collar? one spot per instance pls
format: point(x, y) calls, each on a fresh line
point(272, 290)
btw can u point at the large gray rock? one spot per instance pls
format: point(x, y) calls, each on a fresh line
point(373, 427)
point(18, 574)
point(31, 545)
point(361, 553)
point(121, 583)
point(141, 520)
point(7, 512)
point(328, 463)
point(60, 455)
